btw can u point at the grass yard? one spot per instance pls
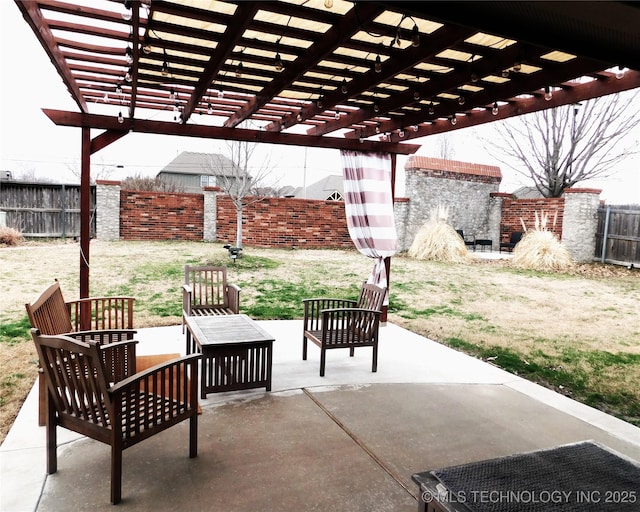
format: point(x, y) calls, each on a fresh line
point(576, 332)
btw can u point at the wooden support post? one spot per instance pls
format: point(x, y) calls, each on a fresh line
point(85, 222)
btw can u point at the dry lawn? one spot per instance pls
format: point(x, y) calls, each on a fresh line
point(484, 303)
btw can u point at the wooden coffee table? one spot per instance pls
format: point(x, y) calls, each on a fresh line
point(236, 352)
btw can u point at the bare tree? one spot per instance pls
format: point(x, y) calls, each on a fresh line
point(446, 151)
point(560, 147)
point(235, 179)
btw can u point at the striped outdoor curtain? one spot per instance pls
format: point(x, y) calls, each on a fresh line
point(369, 207)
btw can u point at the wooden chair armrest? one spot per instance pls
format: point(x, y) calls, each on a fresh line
point(359, 321)
point(187, 293)
point(191, 359)
point(233, 297)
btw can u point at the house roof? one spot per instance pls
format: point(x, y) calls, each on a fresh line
point(189, 162)
point(323, 188)
point(440, 164)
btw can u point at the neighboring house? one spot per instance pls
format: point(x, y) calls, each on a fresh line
point(192, 171)
point(527, 193)
point(327, 189)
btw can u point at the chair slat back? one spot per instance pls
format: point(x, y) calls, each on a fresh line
point(49, 313)
point(371, 297)
point(209, 284)
point(75, 377)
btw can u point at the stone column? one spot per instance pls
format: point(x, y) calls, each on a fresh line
point(107, 210)
point(580, 222)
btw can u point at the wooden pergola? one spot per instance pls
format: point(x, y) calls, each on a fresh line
point(367, 76)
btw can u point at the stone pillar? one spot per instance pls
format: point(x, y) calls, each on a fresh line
point(400, 214)
point(580, 222)
point(107, 210)
point(210, 213)
point(495, 217)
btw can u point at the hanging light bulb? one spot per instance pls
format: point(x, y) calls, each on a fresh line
point(128, 55)
point(320, 102)
point(547, 93)
point(127, 76)
point(517, 66)
point(378, 128)
point(337, 115)
point(453, 120)
point(461, 100)
point(415, 127)
point(328, 4)
point(118, 89)
point(146, 49)
point(416, 95)
point(126, 14)
point(172, 95)
point(505, 73)
point(299, 117)
point(474, 77)
point(415, 36)
point(432, 109)
point(105, 98)
point(344, 88)
point(220, 93)
point(209, 109)
point(165, 68)
point(396, 40)
point(377, 67)
point(278, 63)
point(494, 110)
point(401, 133)
point(120, 117)
point(620, 73)
point(239, 70)
point(376, 107)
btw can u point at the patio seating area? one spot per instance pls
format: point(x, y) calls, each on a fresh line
point(348, 441)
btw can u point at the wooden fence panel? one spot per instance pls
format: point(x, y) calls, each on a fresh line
point(618, 235)
point(44, 209)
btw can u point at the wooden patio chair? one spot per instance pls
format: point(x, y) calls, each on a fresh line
point(110, 320)
point(341, 323)
point(82, 398)
point(205, 292)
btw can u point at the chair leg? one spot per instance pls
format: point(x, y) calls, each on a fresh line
point(374, 364)
point(304, 348)
point(352, 351)
point(322, 360)
point(43, 395)
point(193, 435)
point(51, 439)
point(116, 472)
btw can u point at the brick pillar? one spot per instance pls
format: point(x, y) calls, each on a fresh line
point(210, 213)
point(107, 210)
point(580, 222)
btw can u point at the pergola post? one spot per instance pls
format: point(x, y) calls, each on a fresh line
point(85, 215)
point(387, 260)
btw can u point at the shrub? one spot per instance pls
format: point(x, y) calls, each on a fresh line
point(10, 236)
point(438, 241)
point(146, 184)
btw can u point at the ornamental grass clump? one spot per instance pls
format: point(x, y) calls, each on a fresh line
point(540, 249)
point(10, 236)
point(438, 241)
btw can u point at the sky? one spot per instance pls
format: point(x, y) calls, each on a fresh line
point(30, 144)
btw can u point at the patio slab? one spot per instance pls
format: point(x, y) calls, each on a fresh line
point(348, 441)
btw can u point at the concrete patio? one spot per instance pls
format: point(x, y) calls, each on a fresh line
point(349, 441)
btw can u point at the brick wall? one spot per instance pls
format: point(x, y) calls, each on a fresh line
point(161, 216)
point(285, 222)
point(515, 209)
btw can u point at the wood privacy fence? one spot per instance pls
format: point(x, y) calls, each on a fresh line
point(618, 235)
point(44, 209)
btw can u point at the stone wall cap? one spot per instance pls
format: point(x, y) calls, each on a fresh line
point(108, 182)
point(440, 164)
point(596, 191)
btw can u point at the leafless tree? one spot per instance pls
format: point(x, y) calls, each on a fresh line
point(243, 183)
point(446, 150)
point(560, 147)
